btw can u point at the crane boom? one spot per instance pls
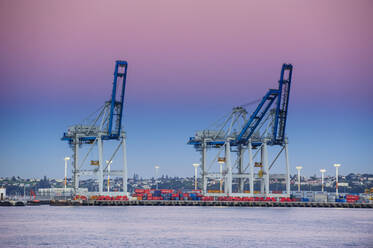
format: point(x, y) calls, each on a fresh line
point(282, 103)
point(256, 117)
point(282, 96)
point(116, 105)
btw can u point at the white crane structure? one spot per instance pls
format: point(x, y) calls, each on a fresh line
point(240, 144)
point(106, 126)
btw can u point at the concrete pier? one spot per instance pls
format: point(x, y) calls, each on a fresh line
point(213, 203)
point(9, 203)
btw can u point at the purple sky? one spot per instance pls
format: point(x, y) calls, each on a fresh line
point(190, 62)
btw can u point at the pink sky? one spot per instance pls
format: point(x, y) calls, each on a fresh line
point(187, 47)
point(189, 63)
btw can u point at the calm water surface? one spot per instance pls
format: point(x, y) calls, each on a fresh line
point(136, 226)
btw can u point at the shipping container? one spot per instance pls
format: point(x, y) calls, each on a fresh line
point(157, 193)
point(321, 198)
point(137, 191)
point(331, 198)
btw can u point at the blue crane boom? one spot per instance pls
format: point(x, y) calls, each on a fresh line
point(282, 96)
point(116, 106)
point(256, 117)
point(282, 103)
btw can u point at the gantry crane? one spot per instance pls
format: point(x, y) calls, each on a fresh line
point(265, 127)
point(106, 126)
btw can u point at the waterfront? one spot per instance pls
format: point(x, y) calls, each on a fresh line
point(161, 226)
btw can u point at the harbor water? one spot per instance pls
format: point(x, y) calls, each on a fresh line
point(162, 226)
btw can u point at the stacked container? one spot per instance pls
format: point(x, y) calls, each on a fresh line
point(310, 195)
point(352, 198)
point(321, 197)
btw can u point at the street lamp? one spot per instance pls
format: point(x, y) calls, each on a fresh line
point(221, 162)
point(108, 174)
point(336, 178)
point(299, 168)
point(322, 179)
point(195, 175)
point(156, 175)
point(66, 159)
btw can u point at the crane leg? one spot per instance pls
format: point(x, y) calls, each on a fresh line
point(100, 166)
point(125, 175)
point(287, 169)
point(251, 165)
point(240, 170)
point(203, 167)
point(76, 176)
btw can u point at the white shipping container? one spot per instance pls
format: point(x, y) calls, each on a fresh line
point(331, 198)
point(321, 198)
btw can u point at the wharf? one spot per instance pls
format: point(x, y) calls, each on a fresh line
point(12, 203)
point(211, 203)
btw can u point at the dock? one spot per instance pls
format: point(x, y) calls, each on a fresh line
point(211, 203)
point(10, 203)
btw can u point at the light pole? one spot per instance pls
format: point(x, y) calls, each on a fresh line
point(322, 179)
point(336, 178)
point(156, 176)
point(299, 168)
point(66, 159)
point(221, 162)
point(195, 175)
point(108, 174)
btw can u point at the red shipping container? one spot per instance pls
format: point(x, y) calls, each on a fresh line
point(354, 197)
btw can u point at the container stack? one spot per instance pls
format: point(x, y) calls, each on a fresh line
point(331, 198)
point(352, 198)
point(196, 195)
point(161, 194)
point(340, 198)
point(309, 195)
point(321, 197)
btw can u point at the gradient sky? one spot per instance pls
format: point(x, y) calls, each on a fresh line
point(190, 62)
